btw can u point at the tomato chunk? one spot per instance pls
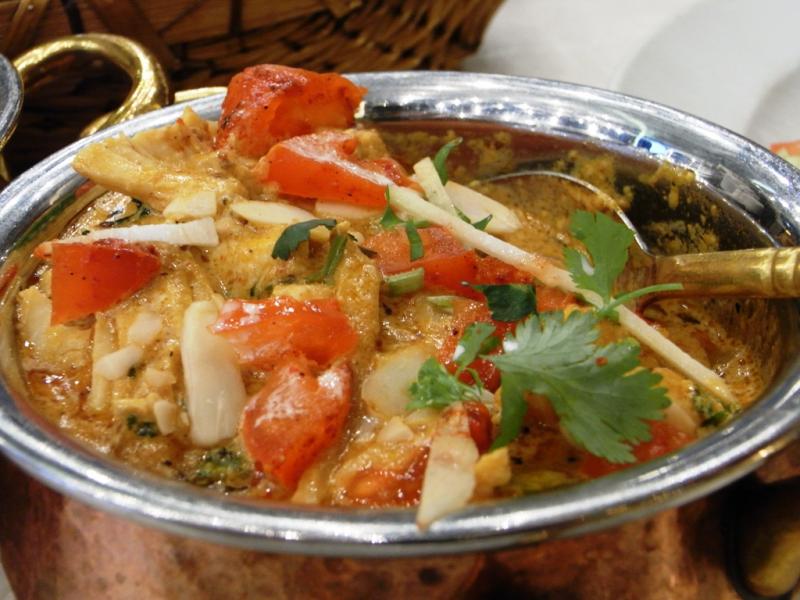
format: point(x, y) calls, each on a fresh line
point(324, 166)
point(295, 416)
point(465, 313)
point(263, 332)
point(269, 103)
point(88, 278)
point(447, 263)
point(665, 439)
point(480, 425)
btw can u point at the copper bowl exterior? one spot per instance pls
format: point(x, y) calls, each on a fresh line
point(57, 546)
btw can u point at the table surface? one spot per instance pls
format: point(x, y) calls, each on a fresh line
point(603, 44)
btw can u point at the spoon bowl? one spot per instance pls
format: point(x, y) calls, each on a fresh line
point(750, 273)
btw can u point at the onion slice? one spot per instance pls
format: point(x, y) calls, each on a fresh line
point(200, 232)
point(215, 393)
point(270, 213)
point(477, 206)
point(450, 474)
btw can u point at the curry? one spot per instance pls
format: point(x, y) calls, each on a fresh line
point(272, 305)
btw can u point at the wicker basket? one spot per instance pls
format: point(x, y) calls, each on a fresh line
point(204, 42)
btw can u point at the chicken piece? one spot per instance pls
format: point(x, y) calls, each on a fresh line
point(159, 165)
point(56, 349)
point(242, 263)
point(358, 282)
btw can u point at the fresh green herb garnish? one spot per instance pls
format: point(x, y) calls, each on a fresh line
point(390, 219)
point(440, 159)
point(406, 282)
point(477, 339)
point(443, 303)
point(509, 302)
point(713, 410)
point(435, 387)
point(601, 398)
point(141, 428)
point(480, 225)
point(607, 243)
point(222, 465)
point(296, 234)
point(416, 249)
point(133, 211)
point(332, 260)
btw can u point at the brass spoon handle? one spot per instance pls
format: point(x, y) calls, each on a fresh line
point(759, 273)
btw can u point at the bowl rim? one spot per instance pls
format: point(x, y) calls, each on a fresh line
point(697, 470)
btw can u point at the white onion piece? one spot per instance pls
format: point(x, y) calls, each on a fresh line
point(450, 474)
point(145, 328)
point(35, 310)
point(385, 389)
point(117, 364)
point(549, 274)
point(477, 206)
point(103, 343)
point(166, 414)
point(428, 178)
point(395, 431)
point(340, 210)
point(270, 213)
point(215, 393)
point(202, 204)
point(200, 232)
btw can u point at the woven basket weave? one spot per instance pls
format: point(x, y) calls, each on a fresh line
point(203, 42)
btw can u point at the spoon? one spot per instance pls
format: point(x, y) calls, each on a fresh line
point(753, 273)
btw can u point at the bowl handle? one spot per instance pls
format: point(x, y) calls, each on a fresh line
point(150, 85)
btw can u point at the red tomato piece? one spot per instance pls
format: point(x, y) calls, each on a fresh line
point(295, 416)
point(480, 425)
point(465, 313)
point(665, 439)
point(324, 166)
point(266, 104)
point(264, 332)
point(447, 263)
point(88, 278)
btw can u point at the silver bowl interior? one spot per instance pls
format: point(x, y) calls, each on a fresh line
point(759, 185)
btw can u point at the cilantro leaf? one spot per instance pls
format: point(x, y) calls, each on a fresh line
point(332, 260)
point(440, 159)
point(296, 234)
point(607, 243)
point(602, 399)
point(477, 339)
point(509, 302)
point(435, 387)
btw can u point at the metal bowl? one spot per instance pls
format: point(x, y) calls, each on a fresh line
point(760, 186)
